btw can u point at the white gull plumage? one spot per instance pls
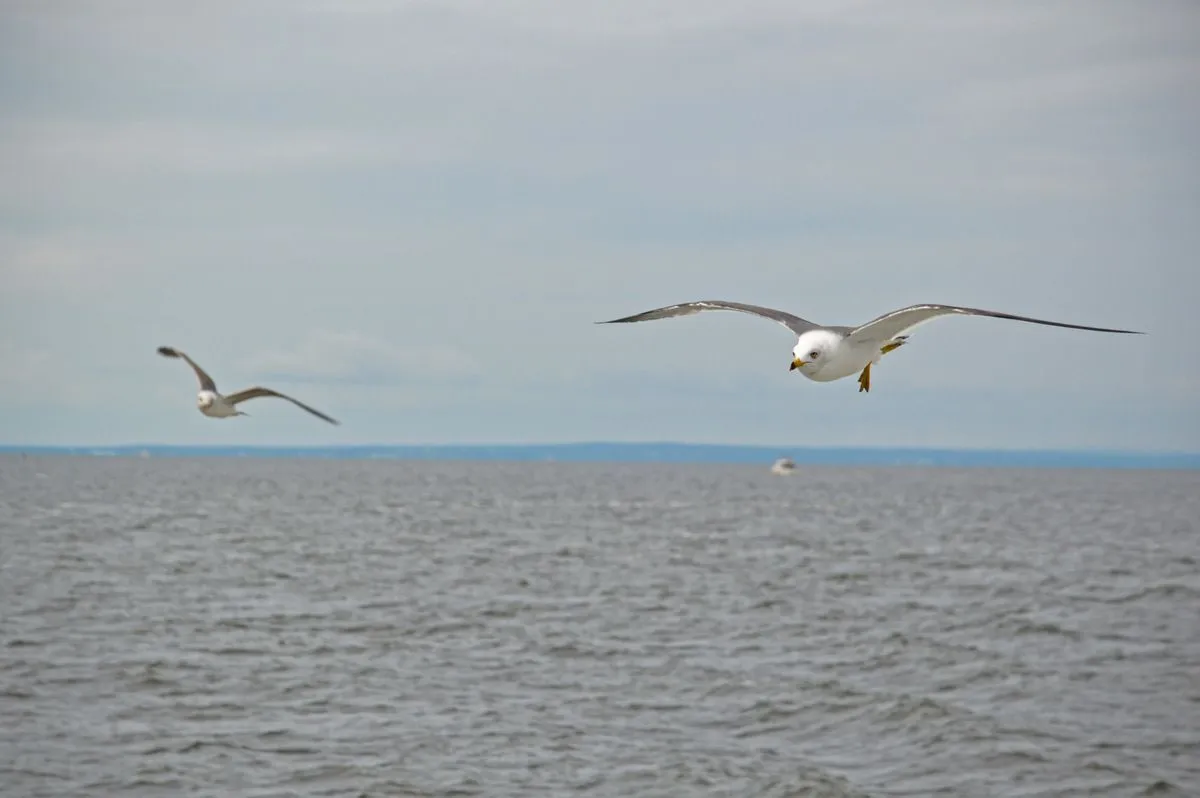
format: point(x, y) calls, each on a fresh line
point(213, 404)
point(825, 353)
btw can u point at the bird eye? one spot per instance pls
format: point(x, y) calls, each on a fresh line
point(813, 355)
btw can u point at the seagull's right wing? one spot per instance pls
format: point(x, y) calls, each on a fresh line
point(890, 325)
point(793, 323)
point(206, 382)
point(255, 393)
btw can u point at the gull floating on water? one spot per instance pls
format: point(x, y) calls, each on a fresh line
point(783, 466)
point(212, 404)
point(825, 353)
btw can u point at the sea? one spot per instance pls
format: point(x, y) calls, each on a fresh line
point(224, 626)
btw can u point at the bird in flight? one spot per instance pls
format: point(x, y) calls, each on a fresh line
point(824, 354)
point(213, 404)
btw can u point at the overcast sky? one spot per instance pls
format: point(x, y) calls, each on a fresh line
point(409, 214)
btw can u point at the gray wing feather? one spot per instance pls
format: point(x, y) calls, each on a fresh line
point(206, 382)
point(892, 324)
point(793, 323)
point(258, 392)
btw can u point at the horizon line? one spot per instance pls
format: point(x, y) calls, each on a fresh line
point(595, 442)
point(661, 452)
point(614, 443)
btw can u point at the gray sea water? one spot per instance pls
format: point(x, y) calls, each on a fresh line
point(310, 628)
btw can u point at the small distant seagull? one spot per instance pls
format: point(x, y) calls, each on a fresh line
point(825, 354)
point(214, 405)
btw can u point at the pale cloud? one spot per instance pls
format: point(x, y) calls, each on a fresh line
point(43, 263)
point(34, 374)
point(169, 147)
point(720, 140)
point(41, 159)
point(997, 99)
point(354, 358)
point(30, 374)
point(65, 264)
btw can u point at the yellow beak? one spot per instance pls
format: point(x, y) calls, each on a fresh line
point(797, 363)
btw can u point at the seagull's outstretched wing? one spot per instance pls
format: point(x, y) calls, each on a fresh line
point(793, 323)
point(897, 322)
point(255, 393)
point(206, 382)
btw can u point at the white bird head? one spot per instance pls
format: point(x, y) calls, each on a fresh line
point(205, 399)
point(812, 350)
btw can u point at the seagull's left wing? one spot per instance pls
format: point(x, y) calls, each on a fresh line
point(792, 322)
point(897, 322)
point(206, 382)
point(255, 393)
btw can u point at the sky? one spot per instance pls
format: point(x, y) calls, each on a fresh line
point(409, 214)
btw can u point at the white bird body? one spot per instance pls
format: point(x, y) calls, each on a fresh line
point(212, 403)
point(828, 353)
point(843, 357)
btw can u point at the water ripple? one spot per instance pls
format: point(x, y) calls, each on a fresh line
point(433, 629)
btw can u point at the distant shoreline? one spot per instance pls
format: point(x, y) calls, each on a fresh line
point(655, 453)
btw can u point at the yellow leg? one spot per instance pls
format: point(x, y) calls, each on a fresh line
point(864, 379)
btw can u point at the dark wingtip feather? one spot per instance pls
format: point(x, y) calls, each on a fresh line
point(627, 319)
point(167, 351)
